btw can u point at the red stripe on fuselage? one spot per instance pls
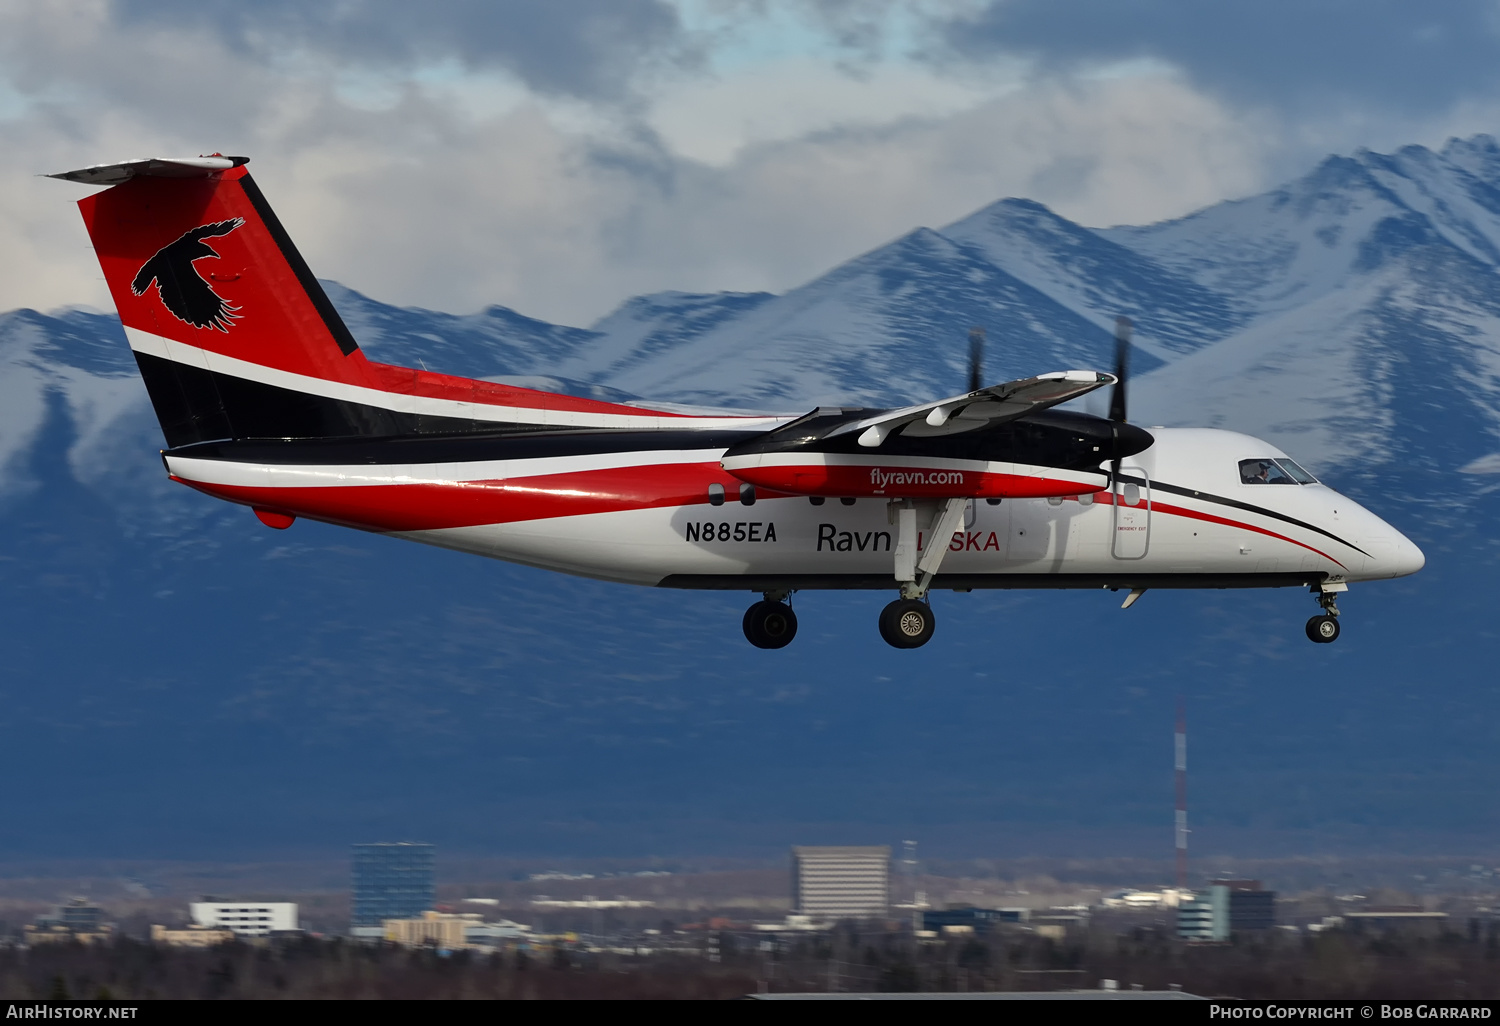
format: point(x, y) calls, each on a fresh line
point(434, 505)
point(1107, 498)
point(893, 479)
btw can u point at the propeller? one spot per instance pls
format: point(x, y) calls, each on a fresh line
point(1123, 328)
point(976, 359)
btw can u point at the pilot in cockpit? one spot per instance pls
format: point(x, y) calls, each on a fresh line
point(1264, 472)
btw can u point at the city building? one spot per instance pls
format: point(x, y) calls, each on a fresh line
point(493, 935)
point(1394, 917)
point(391, 881)
point(1205, 918)
point(75, 921)
point(1229, 907)
point(968, 919)
point(442, 930)
point(842, 882)
point(1251, 907)
point(53, 934)
point(190, 936)
point(245, 918)
point(542, 901)
point(1168, 897)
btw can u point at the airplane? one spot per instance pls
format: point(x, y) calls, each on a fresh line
point(266, 400)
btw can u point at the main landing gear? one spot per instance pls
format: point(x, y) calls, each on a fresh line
point(908, 622)
point(770, 623)
point(1324, 629)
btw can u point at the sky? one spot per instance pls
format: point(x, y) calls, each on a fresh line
point(560, 156)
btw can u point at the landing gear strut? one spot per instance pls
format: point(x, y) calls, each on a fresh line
point(770, 623)
point(1324, 629)
point(908, 621)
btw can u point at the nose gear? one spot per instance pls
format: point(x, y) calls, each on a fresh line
point(1324, 629)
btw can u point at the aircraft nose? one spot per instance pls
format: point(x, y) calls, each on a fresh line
point(1408, 559)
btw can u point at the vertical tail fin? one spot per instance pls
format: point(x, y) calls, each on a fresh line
point(227, 322)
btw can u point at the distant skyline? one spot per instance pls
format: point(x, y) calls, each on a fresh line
point(559, 157)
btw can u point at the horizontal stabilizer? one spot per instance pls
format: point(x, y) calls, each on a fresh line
point(156, 167)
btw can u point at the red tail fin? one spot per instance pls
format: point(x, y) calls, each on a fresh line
point(206, 263)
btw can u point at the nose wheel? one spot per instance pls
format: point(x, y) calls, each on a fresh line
point(1324, 629)
point(906, 623)
point(770, 623)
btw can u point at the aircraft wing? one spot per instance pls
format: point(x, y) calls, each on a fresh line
point(991, 405)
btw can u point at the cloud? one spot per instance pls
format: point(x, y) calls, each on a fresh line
point(585, 48)
point(456, 191)
point(416, 206)
point(1389, 55)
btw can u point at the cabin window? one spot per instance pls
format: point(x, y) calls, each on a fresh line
point(816, 500)
point(1298, 474)
point(747, 494)
point(1264, 471)
point(1132, 494)
point(716, 494)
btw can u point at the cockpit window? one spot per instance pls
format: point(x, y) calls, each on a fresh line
point(1298, 474)
point(1264, 471)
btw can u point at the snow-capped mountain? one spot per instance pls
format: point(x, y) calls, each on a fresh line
point(1312, 315)
point(343, 686)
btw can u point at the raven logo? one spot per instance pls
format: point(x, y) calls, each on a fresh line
point(182, 289)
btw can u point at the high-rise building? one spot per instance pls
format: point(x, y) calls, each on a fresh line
point(391, 881)
point(1229, 907)
point(842, 882)
point(1251, 907)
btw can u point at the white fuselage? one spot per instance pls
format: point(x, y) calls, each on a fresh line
point(1181, 516)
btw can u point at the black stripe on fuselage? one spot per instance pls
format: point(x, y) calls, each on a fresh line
point(965, 582)
point(1249, 507)
point(196, 405)
point(500, 443)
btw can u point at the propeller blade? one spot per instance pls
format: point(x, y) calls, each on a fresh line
point(976, 359)
point(1123, 328)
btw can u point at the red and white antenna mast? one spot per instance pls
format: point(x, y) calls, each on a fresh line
point(1182, 826)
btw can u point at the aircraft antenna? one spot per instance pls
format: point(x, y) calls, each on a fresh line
point(1181, 774)
point(976, 359)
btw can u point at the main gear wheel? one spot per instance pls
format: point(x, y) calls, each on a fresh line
point(907, 623)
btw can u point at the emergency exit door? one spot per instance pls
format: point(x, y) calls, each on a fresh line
point(1132, 513)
